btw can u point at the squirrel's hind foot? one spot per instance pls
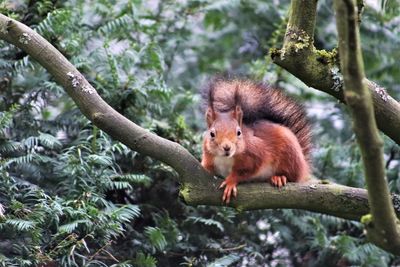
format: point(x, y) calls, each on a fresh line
point(278, 181)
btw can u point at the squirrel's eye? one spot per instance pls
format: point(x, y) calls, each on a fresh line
point(212, 134)
point(239, 133)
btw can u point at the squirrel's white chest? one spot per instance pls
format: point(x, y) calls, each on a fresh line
point(223, 165)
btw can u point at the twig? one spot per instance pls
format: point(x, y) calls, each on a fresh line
point(102, 249)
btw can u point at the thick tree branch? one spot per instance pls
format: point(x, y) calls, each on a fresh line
point(299, 24)
point(383, 227)
point(197, 187)
point(333, 199)
point(319, 68)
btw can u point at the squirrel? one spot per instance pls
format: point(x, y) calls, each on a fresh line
point(254, 132)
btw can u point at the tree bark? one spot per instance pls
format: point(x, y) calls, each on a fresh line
point(383, 226)
point(332, 199)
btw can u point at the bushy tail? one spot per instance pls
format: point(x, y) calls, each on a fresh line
point(259, 101)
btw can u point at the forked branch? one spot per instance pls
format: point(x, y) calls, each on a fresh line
point(319, 68)
point(197, 186)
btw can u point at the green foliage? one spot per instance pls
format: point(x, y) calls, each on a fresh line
point(206, 222)
point(72, 196)
point(144, 260)
point(156, 237)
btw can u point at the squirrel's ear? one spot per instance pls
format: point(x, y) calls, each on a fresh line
point(238, 113)
point(210, 116)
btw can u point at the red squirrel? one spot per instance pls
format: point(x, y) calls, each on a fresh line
point(255, 132)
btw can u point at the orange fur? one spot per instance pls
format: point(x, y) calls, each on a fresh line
point(250, 151)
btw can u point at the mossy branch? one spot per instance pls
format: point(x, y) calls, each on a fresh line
point(319, 68)
point(316, 196)
point(382, 227)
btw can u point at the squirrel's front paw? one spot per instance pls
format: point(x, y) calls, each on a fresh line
point(230, 189)
point(278, 181)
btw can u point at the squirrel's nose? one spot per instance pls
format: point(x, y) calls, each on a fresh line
point(227, 148)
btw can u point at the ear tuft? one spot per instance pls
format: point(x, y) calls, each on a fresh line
point(238, 115)
point(210, 116)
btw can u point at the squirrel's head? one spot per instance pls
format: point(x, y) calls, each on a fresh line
point(224, 136)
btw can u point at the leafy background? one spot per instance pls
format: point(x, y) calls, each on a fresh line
point(72, 196)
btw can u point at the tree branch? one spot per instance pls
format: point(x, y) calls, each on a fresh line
point(319, 68)
point(383, 227)
point(197, 186)
point(332, 199)
point(94, 107)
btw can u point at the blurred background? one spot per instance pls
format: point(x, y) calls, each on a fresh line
point(72, 196)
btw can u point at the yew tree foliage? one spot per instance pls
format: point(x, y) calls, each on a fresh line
point(72, 196)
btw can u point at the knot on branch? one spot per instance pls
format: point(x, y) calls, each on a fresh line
point(97, 117)
point(184, 193)
point(367, 220)
point(381, 91)
point(337, 79)
point(25, 38)
point(77, 80)
point(275, 53)
point(5, 26)
point(327, 57)
point(297, 40)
